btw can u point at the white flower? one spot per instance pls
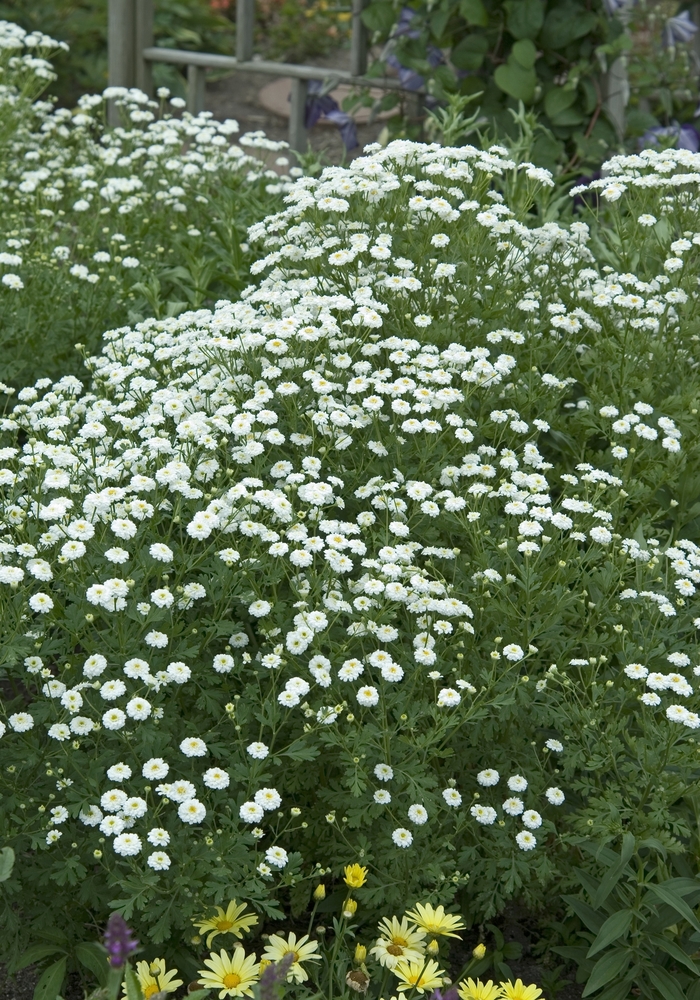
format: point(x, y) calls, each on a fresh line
point(402, 837)
point(21, 722)
point(513, 652)
point(193, 747)
point(488, 777)
point(258, 751)
point(384, 772)
point(268, 798)
point(555, 796)
point(158, 837)
point(214, 777)
point(114, 719)
point(127, 844)
point(531, 819)
point(138, 708)
point(251, 812)
point(59, 731)
point(382, 797)
point(119, 772)
point(191, 811)
point(155, 768)
point(513, 806)
point(526, 841)
point(135, 806)
point(486, 815)
point(260, 608)
point(368, 696)
point(41, 603)
point(517, 783)
point(276, 856)
point(418, 814)
point(157, 640)
point(554, 745)
point(448, 698)
point(159, 861)
point(92, 816)
point(161, 552)
point(452, 797)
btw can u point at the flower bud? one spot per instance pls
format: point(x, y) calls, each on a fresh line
point(319, 892)
point(433, 947)
point(479, 951)
point(349, 908)
point(360, 953)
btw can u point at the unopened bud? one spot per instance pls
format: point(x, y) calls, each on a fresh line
point(433, 947)
point(360, 953)
point(479, 951)
point(349, 908)
point(320, 892)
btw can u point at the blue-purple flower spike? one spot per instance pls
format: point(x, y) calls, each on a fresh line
point(119, 940)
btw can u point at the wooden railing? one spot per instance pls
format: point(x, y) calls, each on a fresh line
point(132, 54)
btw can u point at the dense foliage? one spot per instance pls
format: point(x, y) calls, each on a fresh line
point(102, 227)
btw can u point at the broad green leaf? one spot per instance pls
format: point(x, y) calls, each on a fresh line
point(616, 926)
point(612, 877)
point(469, 53)
point(674, 899)
point(51, 981)
point(665, 984)
point(619, 991)
point(94, 957)
point(515, 81)
point(36, 953)
point(675, 951)
point(565, 24)
point(379, 16)
point(524, 17)
point(7, 861)
point(607, 968)
point(524, 53)
point(593, 919)
point(558, 99)
point(474, 12)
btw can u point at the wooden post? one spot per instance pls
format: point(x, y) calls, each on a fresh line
point(358, 44)
point(143, 39)
point(298, 138)
point(196, 79)
point(120, 35)
point(245, 22)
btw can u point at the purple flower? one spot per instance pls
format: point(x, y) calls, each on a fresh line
point(119, 940)
point(274, 976)
point(679, 30)
point(320, 105)
point(684, 136)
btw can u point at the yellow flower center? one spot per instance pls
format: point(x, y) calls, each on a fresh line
point(224, 925)
point(231, 979)
point(395, 949)
point(150, 990)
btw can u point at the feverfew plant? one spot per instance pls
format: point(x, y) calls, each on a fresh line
point(383, 564)
point(104, 226)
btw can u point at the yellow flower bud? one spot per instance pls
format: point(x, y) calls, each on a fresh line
point(360, 953)
point(349, 908)
point(479, 951)
point(355, 876)
point(433, 947)
point(320, 892)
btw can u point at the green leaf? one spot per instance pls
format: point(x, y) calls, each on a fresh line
point(619, 991)
point(379, 16)
point(474, 12)
point(616, 926)
point(665, 984)
point(94, 957)
point(607, 968)
point(198, 995)
point(524, 17)
point(565, 24)
point(469, 52)
point(612, 877)
point(524, 53)
point(675, 951)
point(131, 984)
point(36, 953)
point(515, 81)
point(593, 919)
point(558, 99)
point(674, 899)
point(7, 861)
point(51, 981)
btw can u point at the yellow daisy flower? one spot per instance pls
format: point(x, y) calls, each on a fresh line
point(303, 950)
point(233, 975)
point(230, 922)
point(397, 941)
point(355, 876)
point(519, 991)
point(153, 978)
point(420, 976)
point(471, 990)
point(435, 921)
